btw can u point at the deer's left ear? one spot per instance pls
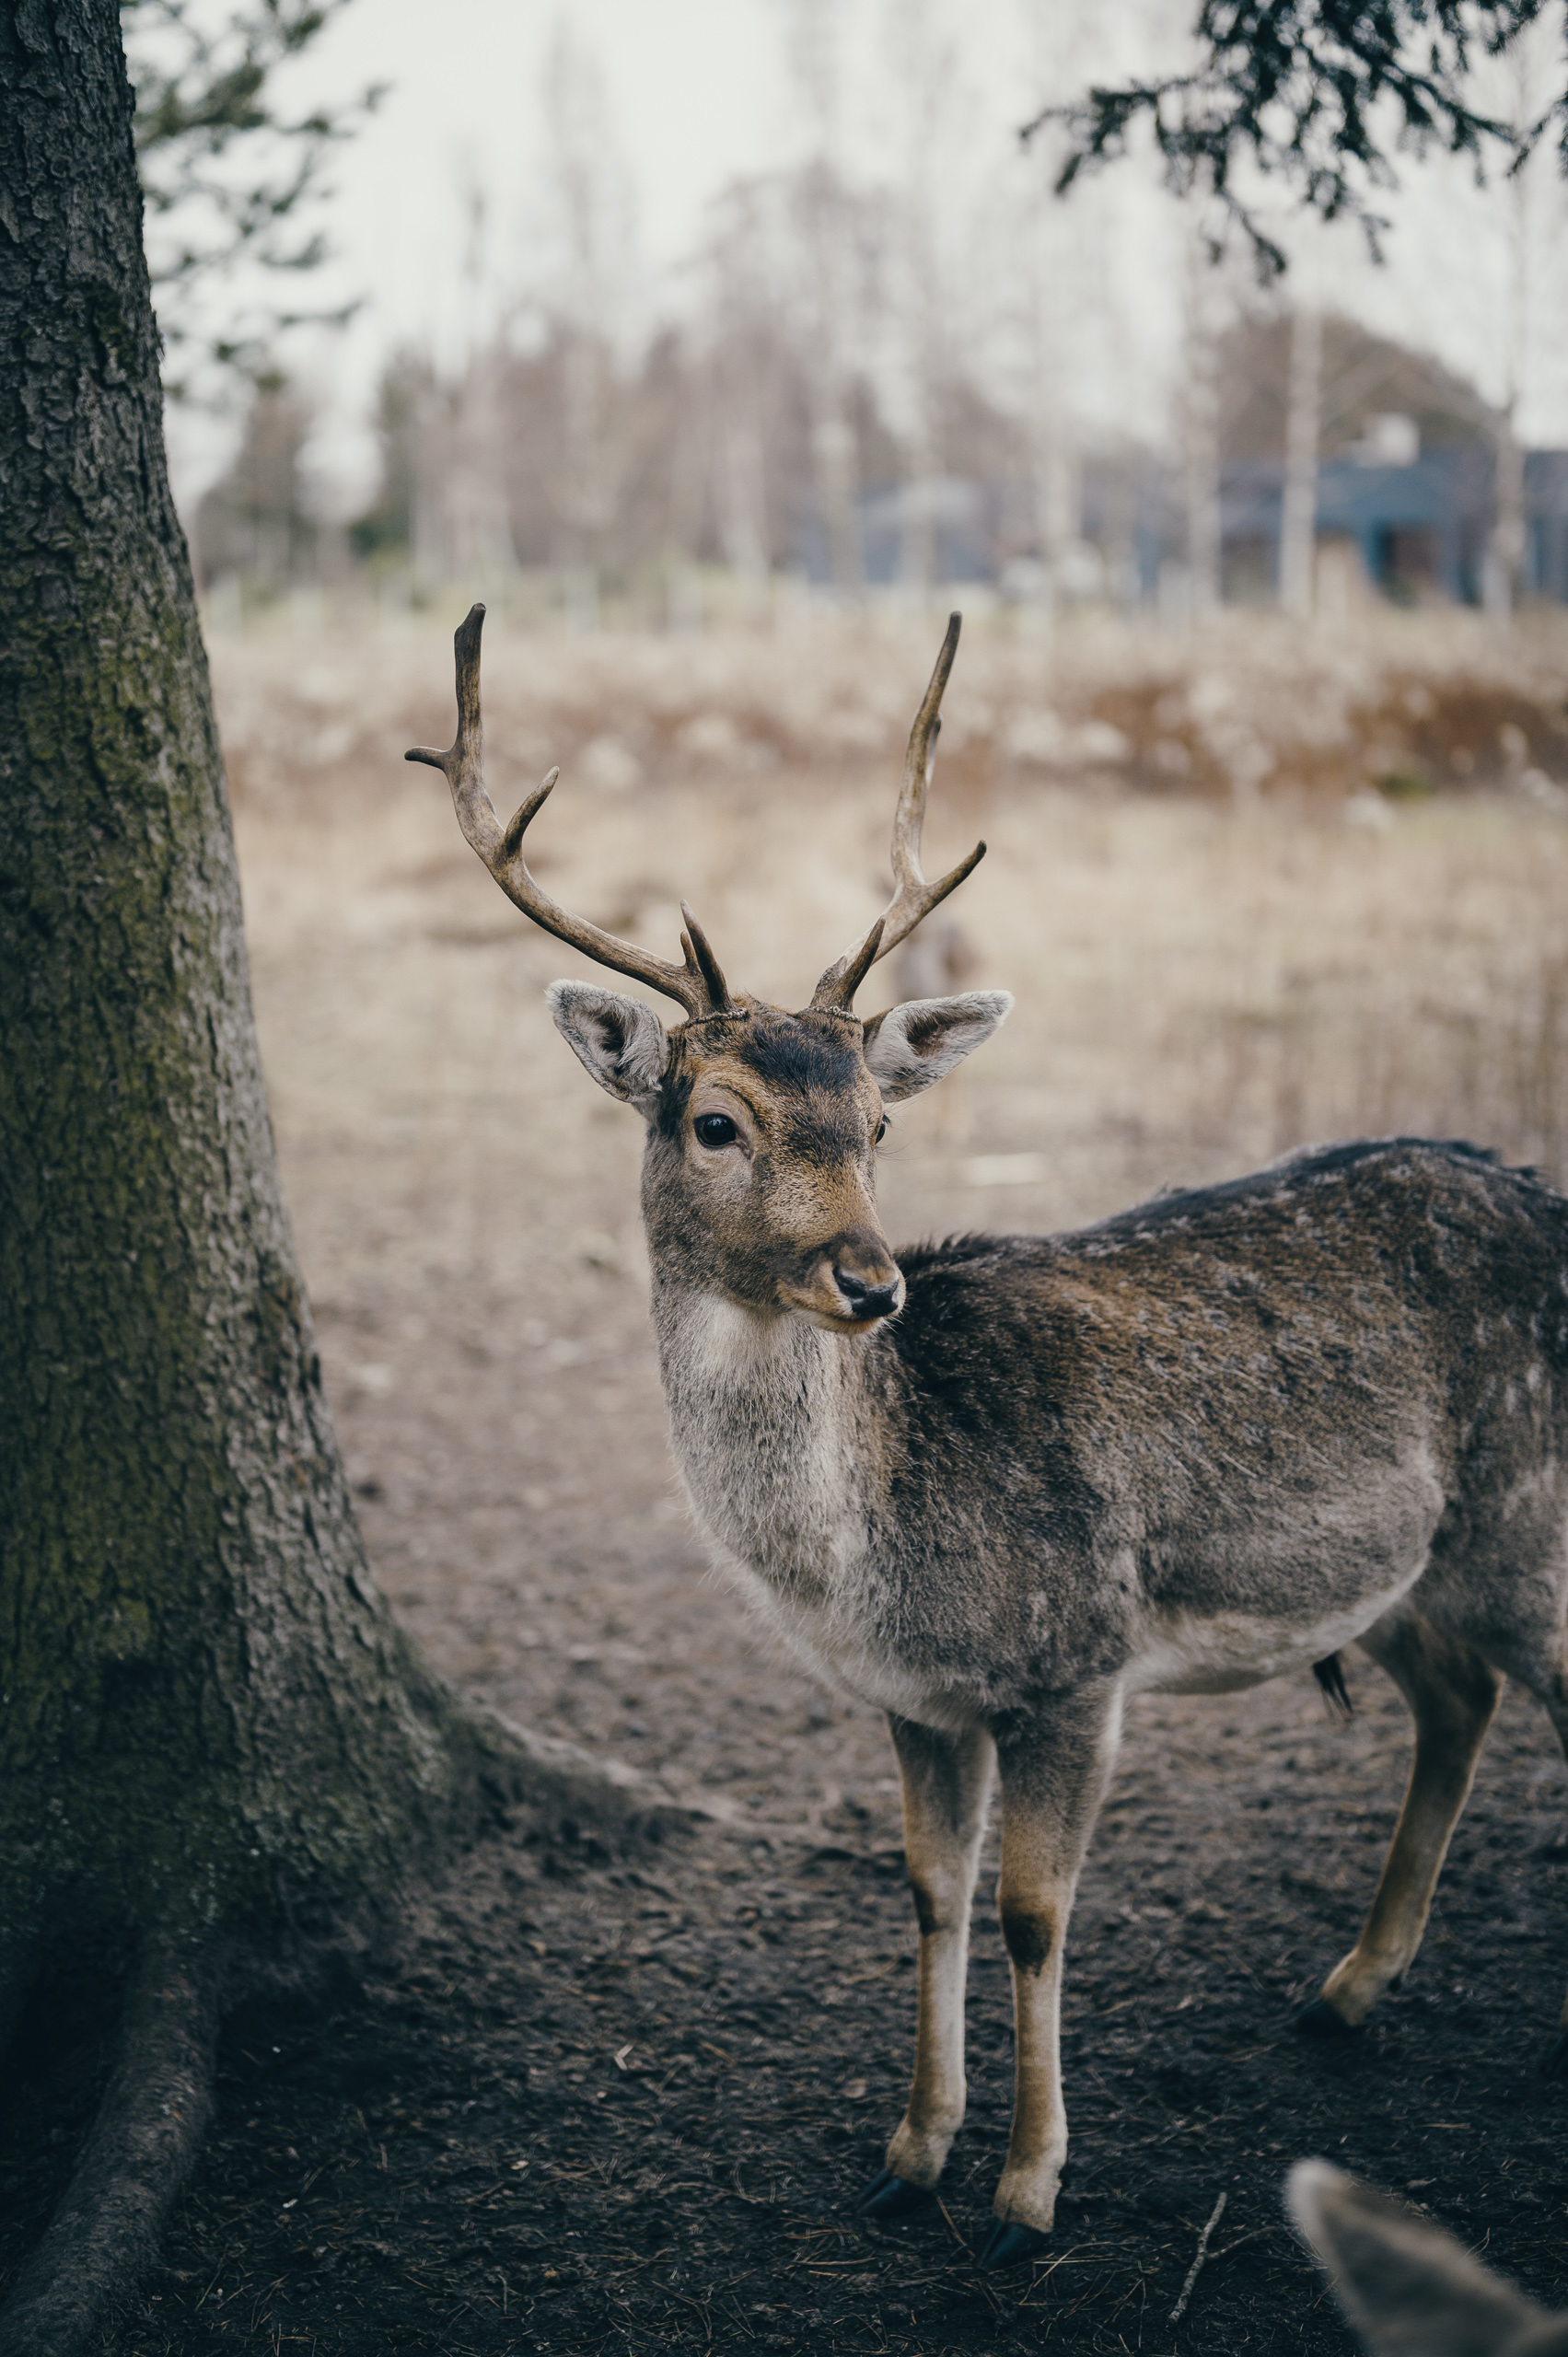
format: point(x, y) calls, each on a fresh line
point(913, 1045)
point(618, 1041)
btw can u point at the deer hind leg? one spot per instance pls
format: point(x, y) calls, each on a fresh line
point(1053, 1776)
point(1452, 1693)
point(1552, 1692)
point(947, 1782)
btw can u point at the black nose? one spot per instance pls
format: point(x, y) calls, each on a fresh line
point(864, 1300)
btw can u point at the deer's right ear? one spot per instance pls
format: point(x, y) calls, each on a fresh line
point(619, 1040)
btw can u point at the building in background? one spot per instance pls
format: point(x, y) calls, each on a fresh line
point(702, 478)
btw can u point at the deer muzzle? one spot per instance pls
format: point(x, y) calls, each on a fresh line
point(867, 1300)
point(854, 1284)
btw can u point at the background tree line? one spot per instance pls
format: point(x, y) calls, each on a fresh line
point(899, 376)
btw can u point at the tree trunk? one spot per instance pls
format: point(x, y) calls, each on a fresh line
point(217, 1747)
point(1201, 443)
point(1503, 566)
point(1299, 506)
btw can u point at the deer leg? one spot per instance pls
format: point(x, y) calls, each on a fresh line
point(1452, 1693)
point(946, 1786)
point(1053, 1775)
point(1552, 1692)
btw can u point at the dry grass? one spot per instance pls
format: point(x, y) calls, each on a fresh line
point(1203, 980)
point(1200, 985)
point(1252, 706)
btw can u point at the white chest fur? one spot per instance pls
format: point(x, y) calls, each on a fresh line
point(761, 1415)
point(770, 1432)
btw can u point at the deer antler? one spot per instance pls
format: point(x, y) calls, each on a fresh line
point(914, 897)
point(698, 985)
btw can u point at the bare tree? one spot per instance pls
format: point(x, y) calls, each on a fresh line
point(476, 535)
point(825, 292)
point(922, 71)
point(1201, 437)
point(1529, 84)
point(1063, 297)
point(1050, 432)
point(744, 358)
point(1298, 509)
point(587, 302)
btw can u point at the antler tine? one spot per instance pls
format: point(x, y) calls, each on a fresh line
point(699, 956)
point(914, 897)
point(697, 985)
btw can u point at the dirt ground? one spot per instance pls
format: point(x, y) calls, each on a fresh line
point(593, 2102)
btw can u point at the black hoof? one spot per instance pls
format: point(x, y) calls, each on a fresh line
point(1555, 2064)
point(889, 2197)
point(1318, 2020)
point(1012, 2246)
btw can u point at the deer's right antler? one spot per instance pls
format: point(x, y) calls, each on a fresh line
point(698, 985)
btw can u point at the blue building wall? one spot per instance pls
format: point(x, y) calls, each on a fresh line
point(1418, 527)
point(1421, 529)
point(1546, 524)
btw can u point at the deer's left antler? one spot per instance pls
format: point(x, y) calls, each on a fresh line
point(914, 897)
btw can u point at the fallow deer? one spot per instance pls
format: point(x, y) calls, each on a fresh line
point(997, 1485)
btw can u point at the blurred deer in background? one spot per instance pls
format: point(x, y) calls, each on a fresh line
point(1408, 2289)
point(999, 1484)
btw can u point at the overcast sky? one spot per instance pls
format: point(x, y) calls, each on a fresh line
point(701, 92)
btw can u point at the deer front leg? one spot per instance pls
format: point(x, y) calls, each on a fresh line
point(1053, 1775)
point(947, 1785)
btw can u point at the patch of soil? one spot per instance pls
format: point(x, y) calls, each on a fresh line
point(596, 2103)
point(593, 2103)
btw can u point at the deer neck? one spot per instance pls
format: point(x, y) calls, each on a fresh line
point(773, 1429)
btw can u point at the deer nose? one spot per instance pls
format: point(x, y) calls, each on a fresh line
point(867, 1300)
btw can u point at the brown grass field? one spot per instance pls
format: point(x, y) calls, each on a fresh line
point(1203, 980)
point(1249, 890)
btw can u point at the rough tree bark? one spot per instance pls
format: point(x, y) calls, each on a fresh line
point(218, 1752)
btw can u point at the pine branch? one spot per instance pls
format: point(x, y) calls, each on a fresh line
point(1320, 95)
point(229, 174)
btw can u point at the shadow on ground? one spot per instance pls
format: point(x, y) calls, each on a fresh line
point(600, 2104)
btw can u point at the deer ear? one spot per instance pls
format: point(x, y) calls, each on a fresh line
point(1408, 2289)
point(913, 1045)
point(619, 1040)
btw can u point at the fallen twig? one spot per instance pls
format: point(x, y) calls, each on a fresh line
point(1256, 2235)
point(951, 2229)
point(1200, 2256)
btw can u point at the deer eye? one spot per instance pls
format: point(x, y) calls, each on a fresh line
point(881, 1131)
point(715, 1129)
